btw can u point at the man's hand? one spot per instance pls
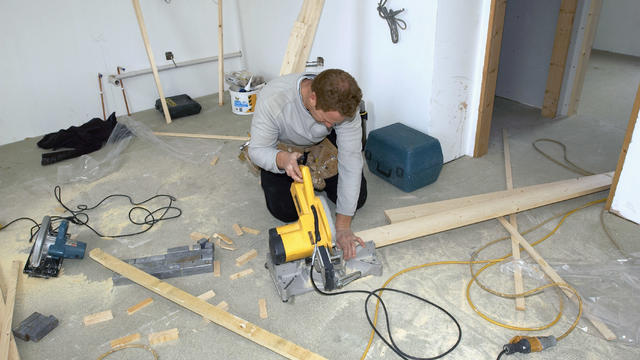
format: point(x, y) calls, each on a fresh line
point(345, 238)
point(288, 161)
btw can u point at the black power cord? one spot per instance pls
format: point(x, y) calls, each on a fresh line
point(391, 343)
point(80, 217)
point(392, 21)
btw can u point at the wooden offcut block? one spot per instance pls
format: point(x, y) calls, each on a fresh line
point(223, 237)
point(124, 340)
point(223, 305)
point(216, 268)
point(206, 296)
point(240, 274)
point(262, 303)
point(224, 246)
point(243, 259)
point(250, 230)
point(237, 229)
point(195, 236)
point(97, 318)
point(163, 336)
point(214, 160)
point(139, 305)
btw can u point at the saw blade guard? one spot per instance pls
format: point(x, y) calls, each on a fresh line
point(297, 240)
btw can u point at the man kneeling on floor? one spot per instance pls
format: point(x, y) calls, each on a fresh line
point(314, 118)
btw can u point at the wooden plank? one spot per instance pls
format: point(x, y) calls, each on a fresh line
point(152, 62)
point(202, 136)
point(7, 314)
point(139, 306)
point(241, 274)
point(559, 53)
point(207, 295)
point(489, 76)
point(124, 340)
point(301, 37)
point(602, 328)
point(515, 248)
point(625, 148)
point(262, 304)
point(238, 230)
point(220, 57)
point(514, 201)
point(203, 308)
point(585, 54)
point(163, 336)
point(216, 268)
point(13, 348)
point(97, 318)
point(246, 257)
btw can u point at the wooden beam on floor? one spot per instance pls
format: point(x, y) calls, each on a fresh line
point(515, 248)
point(512, 201)
point(202, 136)
point(8, 347)
point(231, 322)
point(564, 29)
point(152, 61)
point(553, 275)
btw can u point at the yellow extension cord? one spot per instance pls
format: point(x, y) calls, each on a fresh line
point(491, 262)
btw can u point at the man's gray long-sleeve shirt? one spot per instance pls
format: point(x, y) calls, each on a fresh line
point(280, 116)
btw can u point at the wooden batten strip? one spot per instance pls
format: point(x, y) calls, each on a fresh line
point(139, 306)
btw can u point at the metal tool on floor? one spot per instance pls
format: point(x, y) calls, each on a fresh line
point(35, 327)
point(291, 248)
point(50, 248)
point(179, 261)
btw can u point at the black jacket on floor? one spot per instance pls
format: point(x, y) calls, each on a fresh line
point(83, 139)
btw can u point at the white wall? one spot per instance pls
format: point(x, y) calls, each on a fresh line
point(423, 81)
point(626, 201)
point(619, 27)
point(53, 51)
point(527, 44)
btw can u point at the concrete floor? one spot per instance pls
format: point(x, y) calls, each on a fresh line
point(212, 198)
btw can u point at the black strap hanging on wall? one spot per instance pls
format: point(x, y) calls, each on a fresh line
point(392, 21)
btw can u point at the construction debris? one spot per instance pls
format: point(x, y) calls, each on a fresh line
point(240, 274)
point(250, 230)
point(243, 259)
point(262, 303)
point(206, 296)
point(97, 318)
point(238, 230)
point(163, 336)
point(139, 305)
point(124, 340)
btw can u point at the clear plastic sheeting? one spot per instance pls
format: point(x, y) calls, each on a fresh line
point(98, 164)
point(191, 150)
point(611, 293)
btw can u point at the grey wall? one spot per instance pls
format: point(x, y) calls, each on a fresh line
point(619, 27)
point(527, 43)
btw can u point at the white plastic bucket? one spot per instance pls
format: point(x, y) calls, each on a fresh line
point(243, 103)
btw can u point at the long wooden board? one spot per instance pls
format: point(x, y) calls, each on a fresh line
point(602, 328)
point(152, 61)
point(231, 322)
point(512, 201)
point(301, 38)
point(202, 136)
point(8, 347)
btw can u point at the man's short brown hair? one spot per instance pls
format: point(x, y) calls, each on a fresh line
point(336, 90)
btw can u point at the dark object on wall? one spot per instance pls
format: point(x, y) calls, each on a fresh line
point(403, 156)
point(390, 16)
point(180, 106)
point(81, 140)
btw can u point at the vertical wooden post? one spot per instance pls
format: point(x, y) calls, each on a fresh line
point(152, 62)
point(220, 57)
point(515, 247)
point(489, 76)
point(585, 53)
point(7, 314)
point(564, 28)
point(625, 148)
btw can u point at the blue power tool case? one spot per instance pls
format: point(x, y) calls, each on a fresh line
point(405, 157)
